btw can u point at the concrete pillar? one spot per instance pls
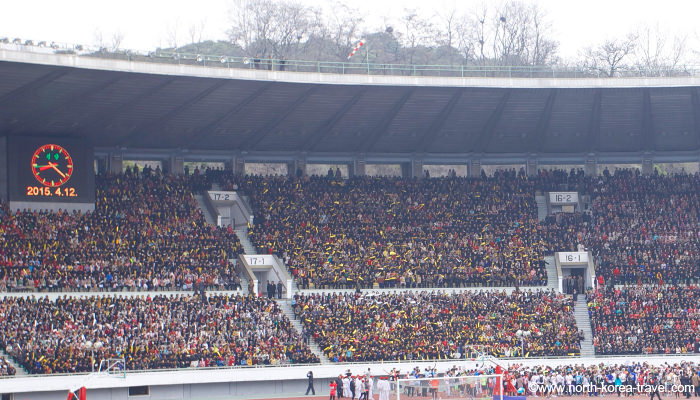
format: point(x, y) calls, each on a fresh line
point(359, 169)
point(406, 170)
point(591, 166)
point(116, 163)
point(239, 166)
point(175, 165)
point(531, 167)
point(228, 164)
point(101, 164)
point(647, 165)
point(475, 168)
point(298, 165)
point(417, 165)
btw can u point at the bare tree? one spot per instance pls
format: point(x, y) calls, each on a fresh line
point(270, 28)
point(542, 49)
point(608, 58)
point(116, 40)
point(446, 28)
point(172, 34)
point(196, 33)
point(510, 33)
point(514, 34)
point(340, 30)
point(479, 33)
point(99, 40)
point(657, 52)
point(417, 32)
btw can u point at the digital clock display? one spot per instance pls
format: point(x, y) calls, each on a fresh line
point(50, 170)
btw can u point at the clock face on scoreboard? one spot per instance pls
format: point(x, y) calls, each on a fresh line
point(51, 165)
point(50, 170)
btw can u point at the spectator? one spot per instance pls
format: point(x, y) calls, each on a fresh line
point(146, 233)
point(445, 232)
point(645, 320)
point(148, 332)
point(424, 325)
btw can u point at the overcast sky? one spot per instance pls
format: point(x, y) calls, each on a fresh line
point(147, 24)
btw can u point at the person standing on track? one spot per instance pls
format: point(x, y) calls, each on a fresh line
point(310, 375)
point(654, 386)
point(333, 386)
point(384, 388)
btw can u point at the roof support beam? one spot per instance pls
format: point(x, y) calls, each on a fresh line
point(209, 129)
point(486, 135)
point(148, 127)
point(695, 107)
point(594, 122)
point(372, 137)
point(33, 86)
point(83, 97)
point(647, 123)
point(256, 137)
point(438, 122)
point(316, 136)
point(539, 136)
point(102, 119)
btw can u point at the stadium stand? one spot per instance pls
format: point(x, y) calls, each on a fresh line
point(146, 233)
point(418, 326)
point(646, 319)
point(392, 232)
point(645, 228)
point(148, 332)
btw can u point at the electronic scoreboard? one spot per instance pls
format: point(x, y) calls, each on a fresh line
point(49, 170)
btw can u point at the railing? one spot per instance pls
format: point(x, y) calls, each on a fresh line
point(344, 68)
point(349, 365)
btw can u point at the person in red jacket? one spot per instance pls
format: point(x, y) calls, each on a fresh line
point(333, 387)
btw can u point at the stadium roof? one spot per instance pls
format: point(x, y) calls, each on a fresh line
point(154, 106)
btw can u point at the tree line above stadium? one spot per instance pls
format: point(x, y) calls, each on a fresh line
point(511, 34)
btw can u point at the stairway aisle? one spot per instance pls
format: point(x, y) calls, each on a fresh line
point(286, 307)
point(583, 321)
point(20, 371)
point(248, 247)
point(552, 277)
point(207, 215)
point(541, 207)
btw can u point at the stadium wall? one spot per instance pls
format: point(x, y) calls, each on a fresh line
point(249, 382)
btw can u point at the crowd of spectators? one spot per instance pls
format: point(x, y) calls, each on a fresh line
point(50, 336)
point(645, 319)
point(146, 233)
point(393, 232)
point(6, 369)
point(452, 232)
point(644, 229)
point(641, 229)
point(438, 325)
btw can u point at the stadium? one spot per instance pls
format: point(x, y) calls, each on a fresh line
point(233, 228)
